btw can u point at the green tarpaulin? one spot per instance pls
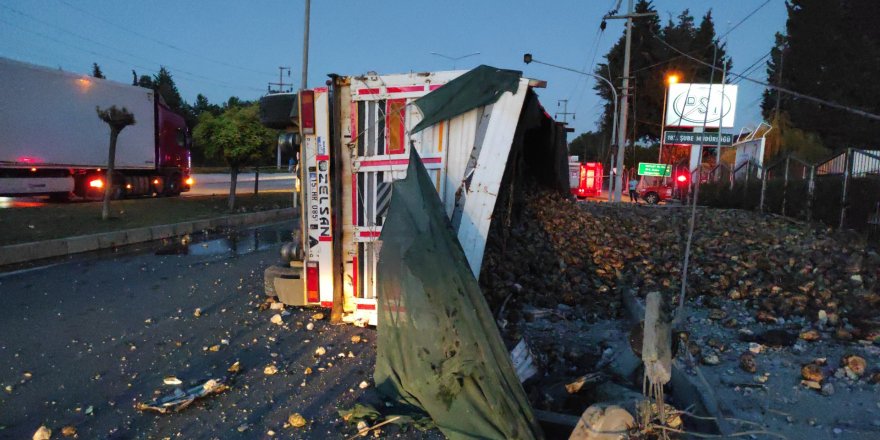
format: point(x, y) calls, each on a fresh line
point(479, 87)
point(438, 346)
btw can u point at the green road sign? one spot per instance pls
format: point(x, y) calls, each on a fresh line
point(655, 169)
point(687, 137)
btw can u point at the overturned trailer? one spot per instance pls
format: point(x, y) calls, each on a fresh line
point(482, 136)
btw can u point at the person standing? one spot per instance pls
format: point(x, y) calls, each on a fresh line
point(633, 194)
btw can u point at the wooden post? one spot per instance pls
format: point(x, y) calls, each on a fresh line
point(811, 186)
point(256, 180)
point(785, 184)
point(846, 176)
point(763, 190)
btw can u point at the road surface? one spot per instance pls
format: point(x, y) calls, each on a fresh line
point(86, 339)
point(205, 185)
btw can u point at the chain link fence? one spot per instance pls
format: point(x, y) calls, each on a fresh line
point(842, 191)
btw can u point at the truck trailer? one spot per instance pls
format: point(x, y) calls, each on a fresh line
point(53, 143)
point(478, 143)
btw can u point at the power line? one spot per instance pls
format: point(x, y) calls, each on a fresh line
point(779, 89)
point(750, 14)
point(112, 58)
point(752, 66)
point(178, 70)
point(160, 42)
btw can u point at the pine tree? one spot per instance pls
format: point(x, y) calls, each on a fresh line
point(830, 50)
point(163, 83)
point(650, 62)
point(96, 71)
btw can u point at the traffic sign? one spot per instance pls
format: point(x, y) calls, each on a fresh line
point(691, 138)
point(655, 169)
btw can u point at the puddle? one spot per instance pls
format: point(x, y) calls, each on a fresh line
point(231, 243)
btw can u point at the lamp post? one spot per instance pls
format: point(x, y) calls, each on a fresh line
point(670, 80)
point(527, 58)
point(454, 59)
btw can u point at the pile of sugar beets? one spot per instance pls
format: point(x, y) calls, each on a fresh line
point(557, 250)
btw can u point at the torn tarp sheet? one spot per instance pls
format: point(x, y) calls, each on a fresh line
point(479, 87)
point(438, 347)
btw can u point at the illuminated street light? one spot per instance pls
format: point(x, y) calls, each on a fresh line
point(671, 79)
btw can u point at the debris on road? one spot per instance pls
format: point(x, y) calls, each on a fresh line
point(296, 420)
point(180, 399)
point(43, 433)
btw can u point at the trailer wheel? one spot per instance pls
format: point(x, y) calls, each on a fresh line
point(652, 198)
point(173, 185)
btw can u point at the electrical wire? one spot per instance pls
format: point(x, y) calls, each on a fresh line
point(160, 42)
point(780, 89)
point(748, 71)
point(177, 70)
point(749, 15)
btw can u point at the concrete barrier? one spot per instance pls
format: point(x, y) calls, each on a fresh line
point(22, 252)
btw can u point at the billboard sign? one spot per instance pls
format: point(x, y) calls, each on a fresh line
point(693, 105)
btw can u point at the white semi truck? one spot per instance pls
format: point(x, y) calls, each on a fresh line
point(53, 143)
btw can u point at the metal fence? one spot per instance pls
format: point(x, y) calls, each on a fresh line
point(842, 191)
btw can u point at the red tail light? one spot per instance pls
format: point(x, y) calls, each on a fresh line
point(313, 289)
point(307, 111)
point(96, 183)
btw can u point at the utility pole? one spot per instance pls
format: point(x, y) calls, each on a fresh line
point(280, 82)
point(621, 136)
point(305, 63)
point(564, 111)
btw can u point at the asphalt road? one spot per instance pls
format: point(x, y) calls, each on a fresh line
point(205, 185)
point(86, 339)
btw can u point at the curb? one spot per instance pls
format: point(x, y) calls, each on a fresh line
point(23, 252)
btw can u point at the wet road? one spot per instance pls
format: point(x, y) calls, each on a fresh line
point(85, 339)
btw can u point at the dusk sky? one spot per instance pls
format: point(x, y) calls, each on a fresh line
point(233, 48)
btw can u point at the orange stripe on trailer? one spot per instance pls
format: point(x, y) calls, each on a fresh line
point(354, 272)
point(440, 137)
point(320, 90)
point(370, 234)
point(368, 91)
point(366, 306)
point(323, 157)
point(327, 304)
point(325, 238)
point(433, 87)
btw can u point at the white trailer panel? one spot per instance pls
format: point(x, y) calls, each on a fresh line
point(48, 119)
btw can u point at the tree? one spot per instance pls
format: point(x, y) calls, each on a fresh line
point(237, 136)
point(163, 84)
point(830, 50)
point(652, 60)
point(146, 81)
point(96, 71)
point(117, 119)
point(591, 147)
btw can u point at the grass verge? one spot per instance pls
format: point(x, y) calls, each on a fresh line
point(23, 225)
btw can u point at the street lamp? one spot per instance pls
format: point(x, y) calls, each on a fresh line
point(671, 79)
point(527, 58)
point(454, 59)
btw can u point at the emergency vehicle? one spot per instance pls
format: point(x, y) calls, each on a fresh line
point(356, 136)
